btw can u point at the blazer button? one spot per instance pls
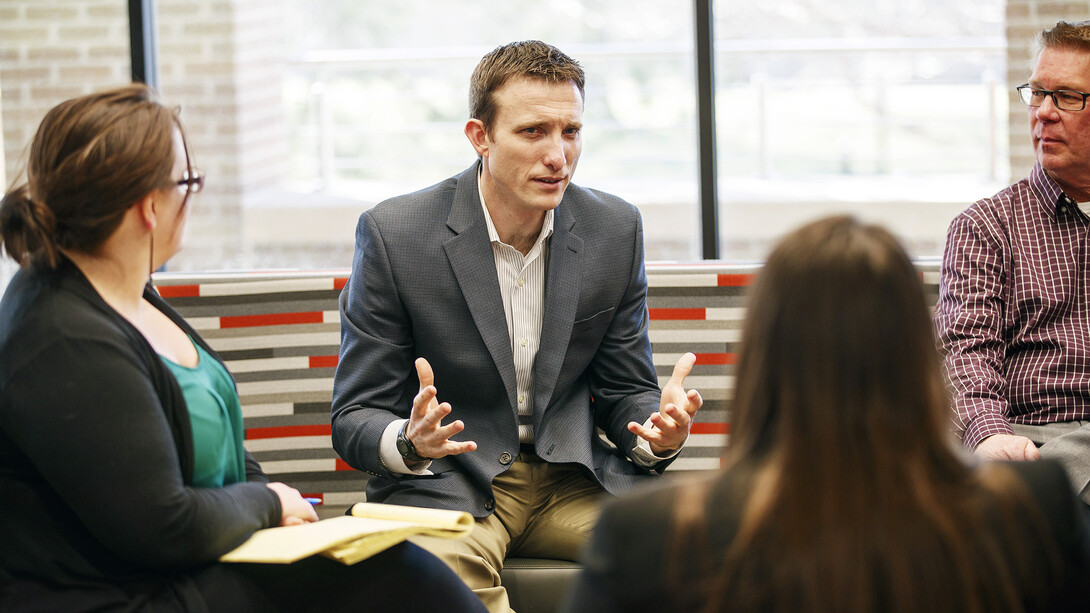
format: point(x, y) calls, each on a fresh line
point(490, 505)
point(505, 458)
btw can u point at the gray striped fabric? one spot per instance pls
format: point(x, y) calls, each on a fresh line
point(279, 334)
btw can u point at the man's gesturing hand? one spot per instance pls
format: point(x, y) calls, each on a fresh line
point(670, 426)
point(425, 429)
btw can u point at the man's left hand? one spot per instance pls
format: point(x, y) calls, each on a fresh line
point(670, 425)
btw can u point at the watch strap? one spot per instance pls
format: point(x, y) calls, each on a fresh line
point(406, 448)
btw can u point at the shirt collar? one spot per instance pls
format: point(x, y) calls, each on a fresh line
point(1050, 194)
point(493, 235)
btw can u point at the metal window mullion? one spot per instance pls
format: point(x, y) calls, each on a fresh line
point(705, 86)
point(143, 42)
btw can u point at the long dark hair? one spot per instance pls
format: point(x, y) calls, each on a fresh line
point(857, 500)
point(92, 158)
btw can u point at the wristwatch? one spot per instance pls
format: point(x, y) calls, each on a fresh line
point(406, 448)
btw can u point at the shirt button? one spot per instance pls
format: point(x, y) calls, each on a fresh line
point(522, 398)
point(505, 458)
point(522, 342)
point(522, 282)
point(490, 505)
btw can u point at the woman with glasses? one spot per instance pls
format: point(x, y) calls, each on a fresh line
point(842, 489)
point(122, 469)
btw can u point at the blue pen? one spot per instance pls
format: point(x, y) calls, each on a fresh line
point(314, 501)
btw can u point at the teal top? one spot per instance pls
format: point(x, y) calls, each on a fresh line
point(216, 416)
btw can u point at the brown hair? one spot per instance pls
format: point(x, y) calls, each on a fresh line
point(530, 58)
point(1066, 35)
point(858, 501)
point(92, 158)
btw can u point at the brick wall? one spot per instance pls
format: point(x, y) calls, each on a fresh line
point(220, 60)
point(1025, 18)
point(3, 165)
point(51, 50)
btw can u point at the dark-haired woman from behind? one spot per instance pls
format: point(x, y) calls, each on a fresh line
point(122, 472)
point(842, 489)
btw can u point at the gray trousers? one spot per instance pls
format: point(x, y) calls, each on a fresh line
point(1067, 442)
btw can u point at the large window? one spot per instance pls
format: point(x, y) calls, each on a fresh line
point(304, 114)
point(377, 97)
point(893, 111)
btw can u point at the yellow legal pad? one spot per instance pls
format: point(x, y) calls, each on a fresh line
point(369, 529)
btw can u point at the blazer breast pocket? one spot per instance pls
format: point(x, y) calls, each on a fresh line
point(586, 333)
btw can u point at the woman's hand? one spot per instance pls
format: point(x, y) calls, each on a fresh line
point(293, 509)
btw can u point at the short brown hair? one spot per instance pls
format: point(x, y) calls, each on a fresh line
point(529, 58)
point(92, 158)
point(1066, 35)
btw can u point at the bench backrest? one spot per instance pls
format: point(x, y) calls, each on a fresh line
point(279, 333)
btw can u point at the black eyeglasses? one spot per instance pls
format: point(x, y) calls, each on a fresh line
point(1064, 99)
point(193, 184)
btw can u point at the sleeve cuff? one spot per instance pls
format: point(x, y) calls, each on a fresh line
point(642, 454)
point(389, 455)
point(983, 426)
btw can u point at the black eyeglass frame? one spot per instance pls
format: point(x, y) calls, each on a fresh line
point(1027, 91)
point(193, 184)
point(193, 179)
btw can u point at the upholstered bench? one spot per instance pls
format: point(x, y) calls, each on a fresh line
point(279, 333)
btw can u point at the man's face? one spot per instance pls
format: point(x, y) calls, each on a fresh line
point(1061, 139)
point(531, 151)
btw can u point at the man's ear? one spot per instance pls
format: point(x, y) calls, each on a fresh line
point(478, 136)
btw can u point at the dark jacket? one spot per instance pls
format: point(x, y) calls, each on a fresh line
point(96, 457)
point(625, 564)
point(424, 283)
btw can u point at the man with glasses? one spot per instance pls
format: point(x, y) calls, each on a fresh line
point(1014, 300)
point(493, 323)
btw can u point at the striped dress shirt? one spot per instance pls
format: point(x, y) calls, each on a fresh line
point(522, 288)
point(1013, 317)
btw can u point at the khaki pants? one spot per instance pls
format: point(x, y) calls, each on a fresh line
point(542, 511)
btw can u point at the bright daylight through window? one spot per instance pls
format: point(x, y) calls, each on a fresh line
point(304, 114)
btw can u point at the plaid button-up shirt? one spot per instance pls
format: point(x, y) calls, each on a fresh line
point(1012, 317)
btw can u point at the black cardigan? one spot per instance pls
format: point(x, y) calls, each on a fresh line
point(96, 456)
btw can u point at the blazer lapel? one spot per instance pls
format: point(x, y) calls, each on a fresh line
point(474, 266)
point(561, 299)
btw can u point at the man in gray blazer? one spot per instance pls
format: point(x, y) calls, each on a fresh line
point(513, 303)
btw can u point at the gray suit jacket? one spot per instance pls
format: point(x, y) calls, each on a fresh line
point(424, 283)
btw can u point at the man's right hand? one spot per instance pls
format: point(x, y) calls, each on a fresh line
point(430, 438)
point(1007, 447)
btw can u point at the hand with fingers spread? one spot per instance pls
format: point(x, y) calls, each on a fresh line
point(425, 429)
point(670, 426)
